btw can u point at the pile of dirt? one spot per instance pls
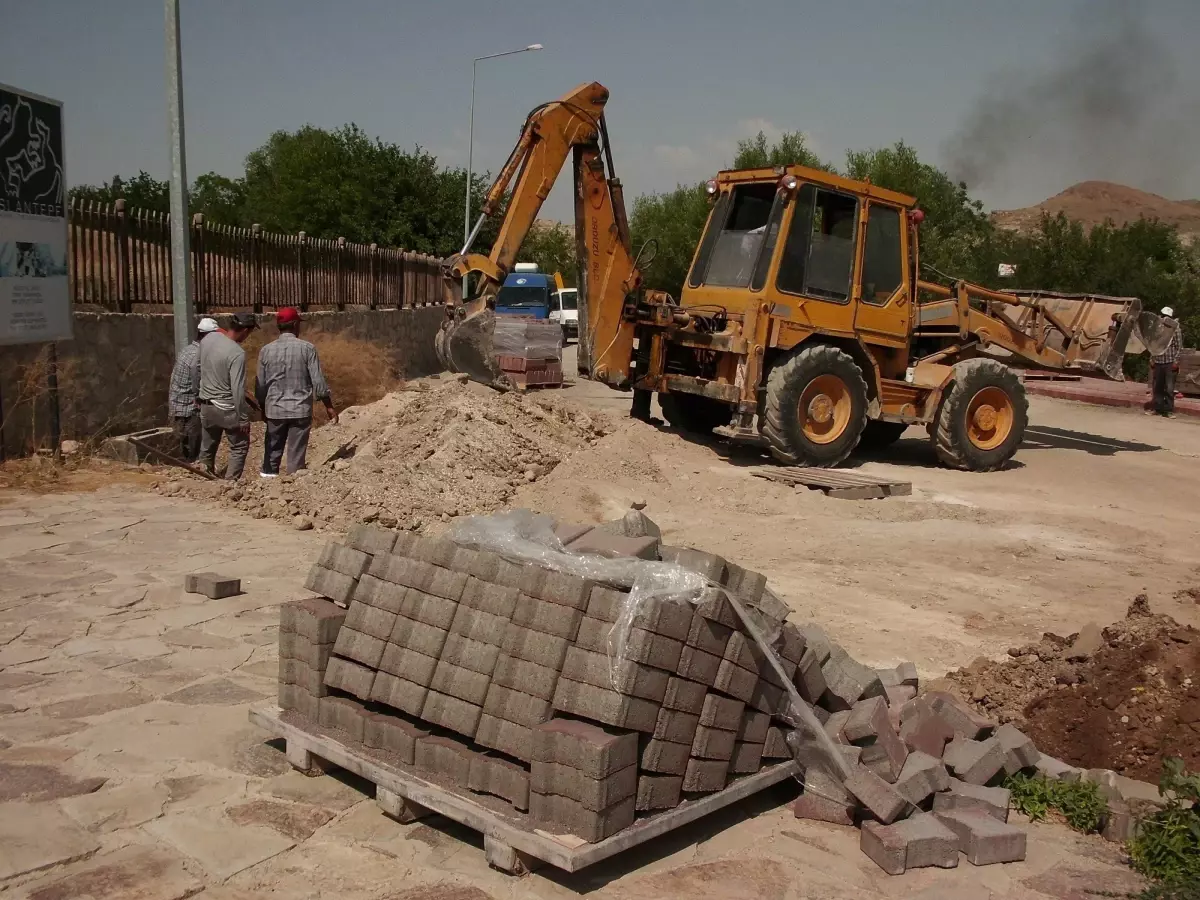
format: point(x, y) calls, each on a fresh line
point(438, 449)
point(1094, 202)
point(1120, 698)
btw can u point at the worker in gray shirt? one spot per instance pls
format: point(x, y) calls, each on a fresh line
point(223, 407)
point(289, 378)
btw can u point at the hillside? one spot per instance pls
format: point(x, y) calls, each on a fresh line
point(1092, 202)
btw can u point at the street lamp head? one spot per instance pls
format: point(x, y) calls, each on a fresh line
point(534, 47)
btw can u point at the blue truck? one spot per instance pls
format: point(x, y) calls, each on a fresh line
point(525, 293)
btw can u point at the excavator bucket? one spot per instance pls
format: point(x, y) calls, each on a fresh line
point(464, 344)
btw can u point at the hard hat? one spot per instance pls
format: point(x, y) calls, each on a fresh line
point(1168, 312)
point(208, 326)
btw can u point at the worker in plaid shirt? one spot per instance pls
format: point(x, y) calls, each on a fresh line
point(289, 378)
point(1164, 366)
point(184, 397)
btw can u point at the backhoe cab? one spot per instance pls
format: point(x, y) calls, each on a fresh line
point(803, 323)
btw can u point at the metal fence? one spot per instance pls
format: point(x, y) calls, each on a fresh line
point(121, 260)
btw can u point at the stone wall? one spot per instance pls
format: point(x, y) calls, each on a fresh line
point(114, 376)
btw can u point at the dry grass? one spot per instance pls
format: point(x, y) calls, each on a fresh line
point(40, 474)
point(358, 372)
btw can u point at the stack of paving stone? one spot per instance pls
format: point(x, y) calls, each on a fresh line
point(494, 675)
point(529, 351)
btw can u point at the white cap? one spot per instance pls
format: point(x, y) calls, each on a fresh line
point(1168, 312)
point(207, 326)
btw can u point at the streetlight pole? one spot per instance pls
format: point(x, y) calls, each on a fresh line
point(467, 234)
point(181, 279)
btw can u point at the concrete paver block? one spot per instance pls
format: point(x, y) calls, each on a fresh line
point(982, 839)
point(445, 756)
point(562, 814)
point(350, 677)
point(747, 758)
point(696, 665)
point(334, 585)
point(928, 841)
point(641, 645)
point(664, 757)
point(658, 792)
point(378, 623)
point(714, 604)
point(776, 745)
point(869, 727)
point(810, 753)
point(294, 697)
point(884, 846)
point(299, 673)
point(684, 695)
point(446, 583)
point(461, 683)
point(624, 677)
point(767, 698)
point(371, 539)
point(399, 693)
point(745, 582)
point(412, 573)
point(556, 587)
point(409, 664)
point(816, 640)
point(753, 726)
point(962, 796)
point(835, 725)
point(460, 650)
point(314, 619)
point(810, 678)
point(380, 594)
point(343, 714)
point(523, 709)
point(975, 762)
point(547, 617)
point(791, 643)
point(342, 559)
point(592, 793)
point(508, 573)
point(418, 636)
point(594, 750)
point(494, 599)
point(615, 546)
point(705, 776)
point(825, 800)
point(500, 777)
point(505, 736)
point(604, 705)
point(438, 551)
point(522, 675)
point(926, 732)
point(657, 614)
point(392, 735)
point(742, 651)
point(1056, 769)
point(707, 635)
point(898, 695)
point(741, 683)
point(725, 713)
point(964, 720)
point(882, 799)
point(429, 609)
point(567, 531)
point(921, 776)
point(709, 565)
point(212, 585)
point(1019, 751)
point(480, 626)
point(451, 712)
point(359, 647)
point(485, 565)
point(713, 743)
point(381, 563)
point(676, 727)
point(848, 681)
point(535, 647)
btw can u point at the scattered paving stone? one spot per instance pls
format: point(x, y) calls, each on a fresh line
point(35, 783)
point(295, 820)
point(221, 692)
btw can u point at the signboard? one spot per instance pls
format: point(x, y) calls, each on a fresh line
point(35, 299)
point(1006, 270)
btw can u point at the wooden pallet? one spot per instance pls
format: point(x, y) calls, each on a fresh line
point(510, 842)
point(835, 482)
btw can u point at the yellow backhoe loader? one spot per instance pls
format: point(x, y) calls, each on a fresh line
point(803, 324)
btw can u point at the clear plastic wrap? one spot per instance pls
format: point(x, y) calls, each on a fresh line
point(527, 338)
point(523, 536)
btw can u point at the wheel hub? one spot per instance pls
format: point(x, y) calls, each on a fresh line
point(820, 409)
point(985, 418)
point(990, 417)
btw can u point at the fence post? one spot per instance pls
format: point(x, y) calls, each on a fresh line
point(256, 267)
point(302, 264)
point(374, 270)
point(124, 303)
point(199, 273)
point(341, 273)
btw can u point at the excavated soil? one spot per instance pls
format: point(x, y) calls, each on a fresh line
point(440, 448)
point(1131, 700)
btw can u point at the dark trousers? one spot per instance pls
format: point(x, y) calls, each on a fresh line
point(1164, 388)
point(217, 423)
point(290, 435)
point(187, 430)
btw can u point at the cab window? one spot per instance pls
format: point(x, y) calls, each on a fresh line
point(818, 257)
point(728, 257)
point(883, 266)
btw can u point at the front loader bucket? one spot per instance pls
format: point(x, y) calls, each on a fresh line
point(464, 344)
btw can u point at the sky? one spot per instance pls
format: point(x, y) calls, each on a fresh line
point(1025, 97)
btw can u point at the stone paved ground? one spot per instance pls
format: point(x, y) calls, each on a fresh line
point(128, 768)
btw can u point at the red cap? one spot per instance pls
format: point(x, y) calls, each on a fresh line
point(287, 316)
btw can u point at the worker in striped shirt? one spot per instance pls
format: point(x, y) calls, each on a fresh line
point(184, 396)
point(1163, 367)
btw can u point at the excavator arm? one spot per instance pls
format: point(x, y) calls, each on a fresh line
point(571, 127)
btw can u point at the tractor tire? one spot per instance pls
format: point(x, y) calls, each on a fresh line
point(982, 418)
point(881, 435)
point(815, 407)
point(693, 413)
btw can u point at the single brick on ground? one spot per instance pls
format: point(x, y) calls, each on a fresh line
point(994, 801)
point(1019, 751)
point(212, 585)
point(921, 776)
point(825, 799)
point(914, 843)
point(975, 762)
point(882, 799)
point(982, 839)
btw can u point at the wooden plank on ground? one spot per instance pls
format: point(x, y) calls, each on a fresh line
point(836, 483)
point(501, 831)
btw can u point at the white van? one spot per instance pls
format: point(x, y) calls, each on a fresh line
point(564, 309)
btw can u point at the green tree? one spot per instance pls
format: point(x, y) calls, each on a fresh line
point(552, 246)
point(790, 150)
point(142, 191)
point(219, 199)
point(675, 220)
